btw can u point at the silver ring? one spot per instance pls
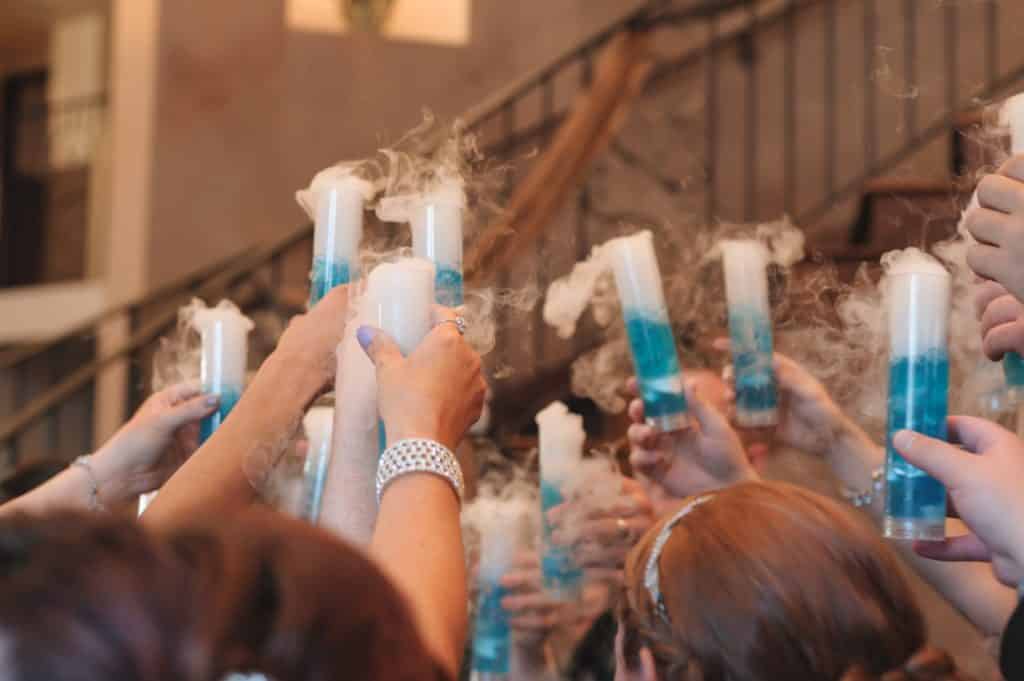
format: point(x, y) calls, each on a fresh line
point(459, 322)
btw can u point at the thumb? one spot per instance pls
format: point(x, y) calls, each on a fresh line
point(711, 420)
point(967, 547)
point(189, 411)
point(379, 347)
point(937, 458)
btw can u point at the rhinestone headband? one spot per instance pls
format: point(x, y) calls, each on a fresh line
point(651, 579)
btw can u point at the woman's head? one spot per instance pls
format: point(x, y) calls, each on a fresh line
point(766, 581)
point(85, 598)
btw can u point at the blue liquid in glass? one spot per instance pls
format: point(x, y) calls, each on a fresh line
point(1013, 369)
point(751, 338)
point(448, 286)
point(326, 275)
point(491, 632)
point(228, 399)
point(314, 477)
point(918, 396)
point(561, 574)
point(657, 365)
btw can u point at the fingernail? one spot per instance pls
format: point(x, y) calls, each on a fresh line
point(212, 400)
point(903, 440)
point(365, 336)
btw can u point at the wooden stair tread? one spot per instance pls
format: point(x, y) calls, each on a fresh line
point(912, 185)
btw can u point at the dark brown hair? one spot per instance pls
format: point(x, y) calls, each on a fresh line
point(87, 598)
point(768, 581)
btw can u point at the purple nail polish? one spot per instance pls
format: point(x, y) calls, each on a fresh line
point(365, 336)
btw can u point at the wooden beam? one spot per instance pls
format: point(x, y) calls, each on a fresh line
point(596, 116)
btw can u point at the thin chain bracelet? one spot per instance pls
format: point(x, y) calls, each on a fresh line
point(418, 456)
point(85, 464)
point(867, 497)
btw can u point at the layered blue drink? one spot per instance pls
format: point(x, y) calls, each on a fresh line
point(918, 396)
point(1013, 370)
point(229, 396)
point(917, 289)
point(651, 341)
point(319, 425)
point(562, 576)
point(492, 635)
point(224, 332)
point(335, 201)
point(327, 274)
point(561, 439)
point(448, 286)
point(750, 332)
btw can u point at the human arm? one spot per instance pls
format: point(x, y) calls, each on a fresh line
point(224, 474)
point(853, 458)
point(436, 393)
point(139, 458)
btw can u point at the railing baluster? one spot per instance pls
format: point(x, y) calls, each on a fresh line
point(910, 67)
point(831, 126)
point(789, 107)
point(752, 173)
point(711, 122)
point(870, 88)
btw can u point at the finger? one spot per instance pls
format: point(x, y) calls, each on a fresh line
point(1003, 339)
point(190, 411)
point(532, 622)
point(180, 392)
point(379, 347)
point(722, 344)
point(521, 580)
point(632, 388)
point(989, 262)
point(1001, 193)
point(989, 226)
point(444, 314)
point(607, 575)
point(942, 460)
point(643, 436)
point(636, 411)
point(1013, 168)
point(526, 560)
point(529, 603)
point(977, 435)
point(648, 462)
point(985, 293)
point(967, 547)
point(711, 420)
point(1003, 310)
point(597, 556)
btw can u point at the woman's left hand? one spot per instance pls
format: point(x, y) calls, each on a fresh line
point(602, 537)
point(153, 444)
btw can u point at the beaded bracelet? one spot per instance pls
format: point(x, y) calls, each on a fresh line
point(861, 499)
point(418, 456)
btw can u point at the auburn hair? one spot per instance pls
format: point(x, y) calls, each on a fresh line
point(768, 581)
point(86, 597)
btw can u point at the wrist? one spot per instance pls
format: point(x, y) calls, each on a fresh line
point(115, 482)
point(298, 373)
point(400, 432)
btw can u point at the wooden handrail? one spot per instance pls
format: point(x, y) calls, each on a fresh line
point(146, 334)
point(598, 113)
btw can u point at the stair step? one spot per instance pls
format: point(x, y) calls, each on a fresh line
point(913, 186)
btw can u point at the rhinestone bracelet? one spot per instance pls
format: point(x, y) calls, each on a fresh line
point(867, 497)
point(418, 456)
